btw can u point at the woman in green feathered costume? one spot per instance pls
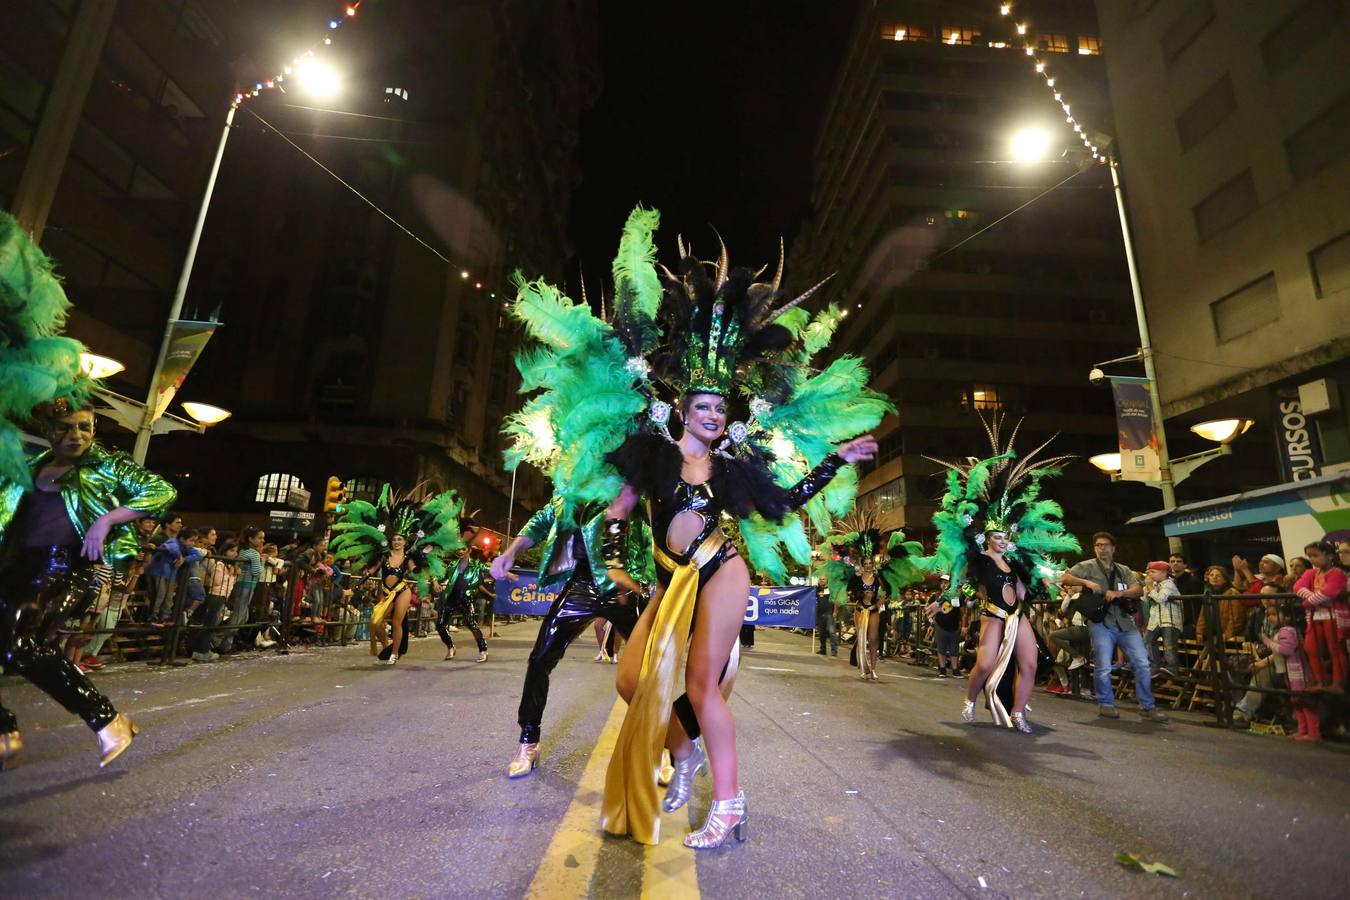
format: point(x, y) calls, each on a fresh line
point(404, 542)
point(997, 533)
point(865, 575)
point(704, 337)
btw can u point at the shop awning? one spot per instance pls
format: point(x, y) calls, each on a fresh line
point(1314, 497)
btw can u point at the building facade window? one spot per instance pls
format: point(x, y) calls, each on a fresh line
point(1207, 112)
point(1248, 308)
point(1330, 265)
point(1304, 28)
point(1321, 142)
point(1089, 45)
point(1231, 202)
point(1052, 42)
point(959, 35)
point(983, 396)
point(276, 487)
point(906, 32)
point(364, 488)
point(1186, 28)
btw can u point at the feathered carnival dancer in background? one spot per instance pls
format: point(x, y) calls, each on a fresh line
point(407, 541)
point(707, 337)
point(65, 514)
point(997, 533)
point(865, 574)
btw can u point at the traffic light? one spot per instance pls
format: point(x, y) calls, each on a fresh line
point(335, 495)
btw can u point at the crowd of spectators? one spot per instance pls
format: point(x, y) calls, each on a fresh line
point(226, 594)
point(1275, 634)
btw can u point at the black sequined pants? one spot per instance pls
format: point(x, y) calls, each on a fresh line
point(458, 604)
point(576, 606)
point(40, 588)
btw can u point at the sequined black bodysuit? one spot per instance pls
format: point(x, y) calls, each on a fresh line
point(985, 573)
point(700, 499)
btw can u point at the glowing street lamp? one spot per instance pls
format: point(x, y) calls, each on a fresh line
point(99, 367)
point(1222, 431)
point(1109, 463)
point(205, 413)
point(1030, 144)
point(317, 78)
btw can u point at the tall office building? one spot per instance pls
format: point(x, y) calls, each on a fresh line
point(109, 113)
point(972, 284)
point(352, 343)
point(1234, 125)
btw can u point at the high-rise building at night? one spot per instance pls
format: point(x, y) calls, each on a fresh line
point(1234, 140)
point(972, 283)
point(109, 113)
point(352, 343)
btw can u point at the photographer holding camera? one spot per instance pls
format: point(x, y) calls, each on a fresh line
point(1108, 600)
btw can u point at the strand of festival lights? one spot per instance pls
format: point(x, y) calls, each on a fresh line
point(275, 82)
point(1042, 69)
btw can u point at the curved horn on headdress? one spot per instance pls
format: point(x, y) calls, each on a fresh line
point(801, 299)
point(723, 262)
point(684, 251)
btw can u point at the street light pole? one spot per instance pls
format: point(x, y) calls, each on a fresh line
point(1169, 493)
point(144, 432)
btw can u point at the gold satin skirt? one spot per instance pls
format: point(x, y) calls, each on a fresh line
point(380, 612)
point(1011, 621)
point(631, 804)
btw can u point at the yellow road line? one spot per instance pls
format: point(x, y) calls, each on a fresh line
point(668, 868)
point(569, 862)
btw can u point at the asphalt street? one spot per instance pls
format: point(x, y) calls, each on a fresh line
point(323, 774)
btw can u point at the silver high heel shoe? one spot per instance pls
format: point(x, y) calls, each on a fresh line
point(968, 712)
point(726, 817)
point(1019, 721)
point(682, 780)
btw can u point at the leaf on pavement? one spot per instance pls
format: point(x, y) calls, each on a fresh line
point(1131, 861)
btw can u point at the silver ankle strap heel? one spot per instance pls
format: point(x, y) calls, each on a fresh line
point(725, 818)
point(682, 782)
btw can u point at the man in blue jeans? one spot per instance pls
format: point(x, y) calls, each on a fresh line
point(1113, 626)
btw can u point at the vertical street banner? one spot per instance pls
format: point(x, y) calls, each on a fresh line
point(1139, 458)
point(1296, 438)
point(186, 343)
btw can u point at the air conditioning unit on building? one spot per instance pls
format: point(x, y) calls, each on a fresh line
point(1319, 396)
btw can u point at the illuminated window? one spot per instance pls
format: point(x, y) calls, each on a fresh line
point(1052, 43)
point(983, 396)
point(275, 488)
point(959, 34)
point(1089, 45)
point(902, 32)
point(367, 489)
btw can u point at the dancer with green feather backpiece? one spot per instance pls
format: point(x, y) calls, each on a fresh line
point(864, 574)
point(997, 533)
point(704, 337)
point(406, 543)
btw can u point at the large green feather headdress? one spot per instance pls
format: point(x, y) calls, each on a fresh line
point(850, 552)
point(709, 328)
point(430, 528)
point(1000, 493)
point(37, 365)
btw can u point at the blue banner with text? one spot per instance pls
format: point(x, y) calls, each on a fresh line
point(784, 607)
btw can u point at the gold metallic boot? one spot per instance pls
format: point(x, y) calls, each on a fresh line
point(115, 737)
point(524, 762)
point(682, 780)
point(11, 745)
point(726, 817)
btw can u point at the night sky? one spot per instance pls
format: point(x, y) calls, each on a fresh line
point(709, 112)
